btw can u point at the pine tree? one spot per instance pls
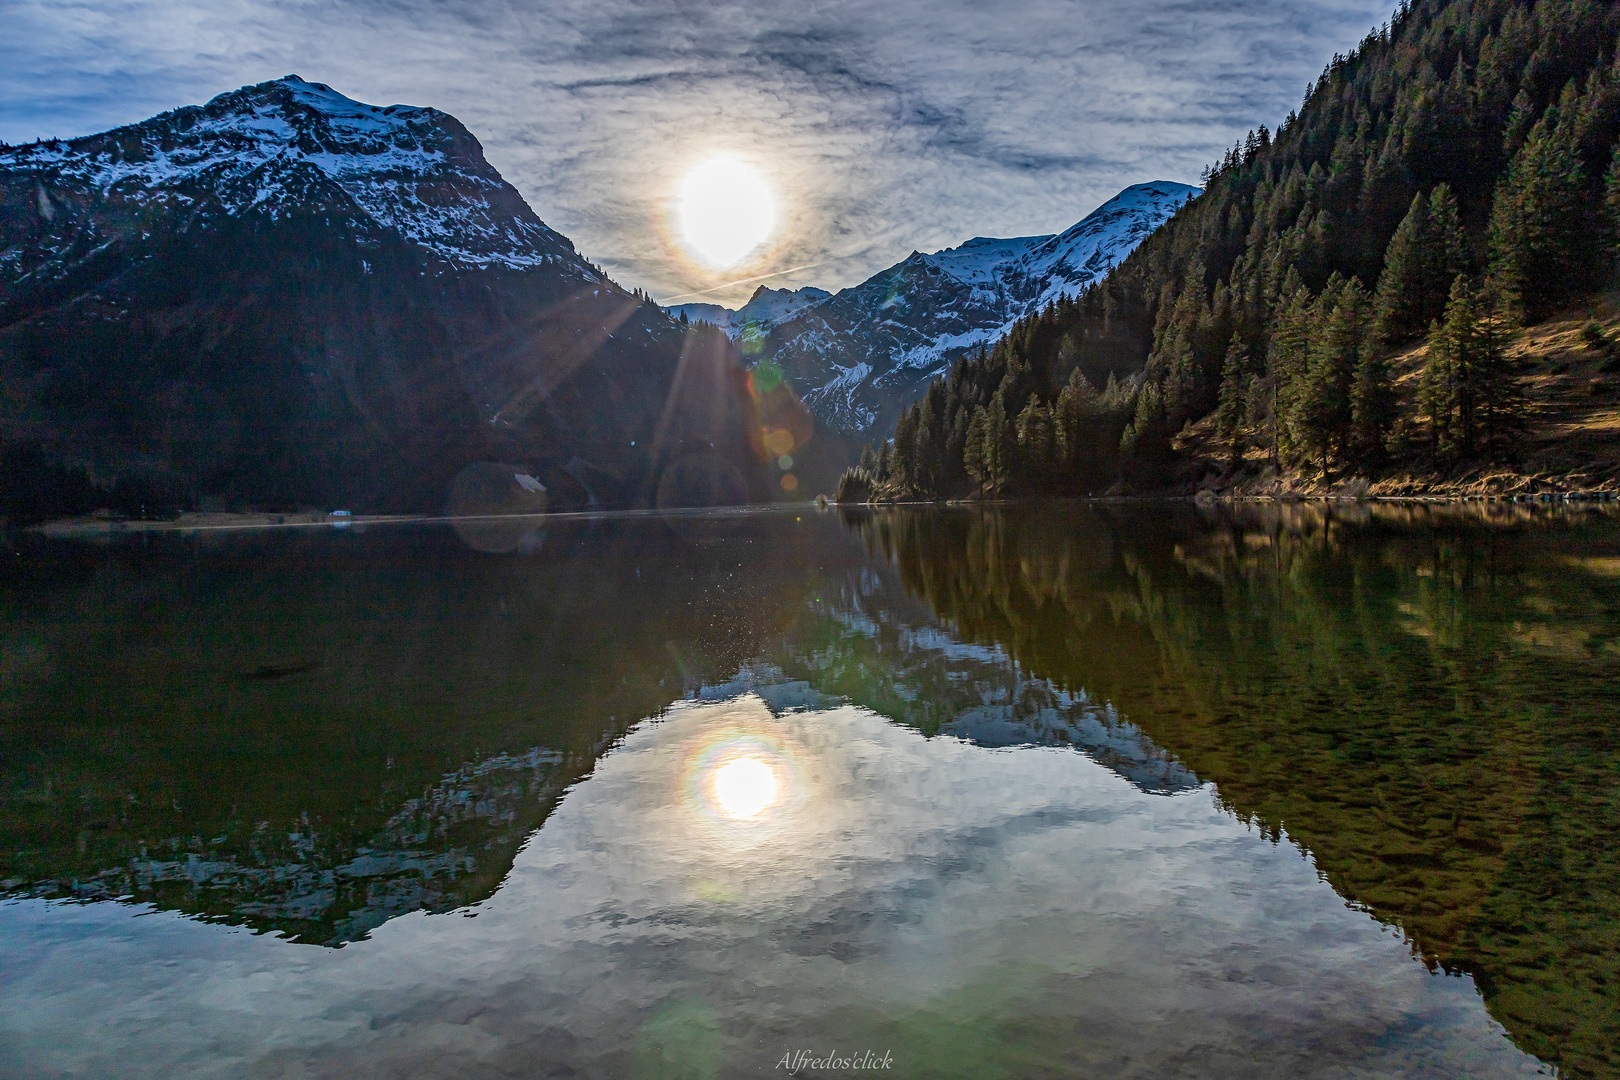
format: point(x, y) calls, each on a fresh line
point(1034, 431)
point(1145, 445)
point(1400, 300)
point(1286, 360)
point(1068, 356)
point(854, 486)
point(999, 444)
point(1611, 207)
point(924, 463)
point(1437, 390)
point(1077, 406)
point(1543, 236)
point(1469, 394)
point(904, 461)
point(1498, 400)
point(973, 450)
point(1448, 252)
point(928, 468)
point(1372, 404)
point(1234, 399)
point(1322, 409)
point(1427, 251)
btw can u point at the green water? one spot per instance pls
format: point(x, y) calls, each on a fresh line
point(1057, 791)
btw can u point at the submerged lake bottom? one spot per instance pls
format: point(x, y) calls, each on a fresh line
point(1053, 791)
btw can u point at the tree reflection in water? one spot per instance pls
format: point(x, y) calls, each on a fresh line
point(1421, 698)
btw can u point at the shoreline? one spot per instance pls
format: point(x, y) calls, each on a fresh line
point(102, 527)
point(89, 527)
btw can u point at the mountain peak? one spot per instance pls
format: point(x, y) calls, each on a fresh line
point(414, 170)
point(862, 355)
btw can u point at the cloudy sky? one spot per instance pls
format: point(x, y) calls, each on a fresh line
point(882, 127)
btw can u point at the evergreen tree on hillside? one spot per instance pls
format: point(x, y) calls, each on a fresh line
point(1035, 442)
point(1323, 411)
point(1073, 419)
point(973, 452)
point(998, 444)
point(1427, 251)
point(1233, 407)
point(1287, 361)
point(1611, 206)
point(1144, 447)
point(1469, 397)
point(1544, 236)
point(902, 465)
point(1372, 405)
point(855, 486)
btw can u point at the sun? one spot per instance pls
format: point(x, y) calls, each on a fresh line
point(726, 211)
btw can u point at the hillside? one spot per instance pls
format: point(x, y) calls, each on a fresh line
point(1453, 178)
point(1571, 387)
point(285, 298)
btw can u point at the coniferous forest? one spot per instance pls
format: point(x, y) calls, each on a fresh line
point(1452, 178)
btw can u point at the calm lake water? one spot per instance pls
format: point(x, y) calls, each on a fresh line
point(1057, 791)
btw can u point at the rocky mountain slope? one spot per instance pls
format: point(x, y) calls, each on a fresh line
point(862, 355)
point(286, 297)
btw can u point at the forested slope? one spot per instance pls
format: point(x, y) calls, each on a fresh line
point(1452, 178)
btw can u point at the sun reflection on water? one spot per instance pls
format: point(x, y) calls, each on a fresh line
point(742, 785)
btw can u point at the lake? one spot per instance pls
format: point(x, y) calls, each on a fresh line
point(1062, 790)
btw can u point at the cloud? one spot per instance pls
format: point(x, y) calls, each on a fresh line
point(884, 127)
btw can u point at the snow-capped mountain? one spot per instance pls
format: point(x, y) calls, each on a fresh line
point(268, 148)
point(286, 297)
point(764, 309)
point(860, 356)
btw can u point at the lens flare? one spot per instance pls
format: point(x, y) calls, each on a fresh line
point(778, 441)
point(726, 211)
point(744, 787)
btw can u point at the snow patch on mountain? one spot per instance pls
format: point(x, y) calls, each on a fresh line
point(835, 401)
point(980, 260)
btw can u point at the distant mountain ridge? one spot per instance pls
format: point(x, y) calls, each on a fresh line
point(286, 297)
point(858, 357)
point(764, 309)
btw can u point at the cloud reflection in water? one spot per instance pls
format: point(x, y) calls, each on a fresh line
point(977, 912)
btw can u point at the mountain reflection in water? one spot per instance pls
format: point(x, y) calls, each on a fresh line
point(791, 808)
